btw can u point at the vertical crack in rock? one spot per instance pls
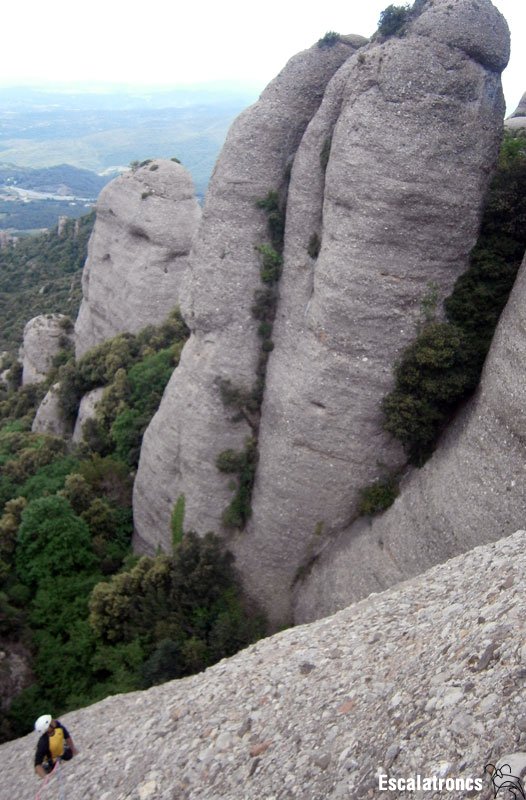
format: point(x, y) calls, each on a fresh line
point(217, 302)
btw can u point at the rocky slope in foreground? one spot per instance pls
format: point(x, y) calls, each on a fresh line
point(425, 678)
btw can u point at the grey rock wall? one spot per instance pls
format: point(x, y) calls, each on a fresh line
point(44, 336)
point(426, 678)
point(517, 120)
point(87, 410)
point(137, 253)
point(49, 418)
point(416, 127)
point(192, 426)
point(470, 491)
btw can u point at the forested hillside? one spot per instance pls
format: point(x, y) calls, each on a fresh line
point(73, 599)
point(40, 275)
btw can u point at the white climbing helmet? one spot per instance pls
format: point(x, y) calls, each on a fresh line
point(43, 723)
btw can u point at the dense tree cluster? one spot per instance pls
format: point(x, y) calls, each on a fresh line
point(39, 275)
point(65, 535)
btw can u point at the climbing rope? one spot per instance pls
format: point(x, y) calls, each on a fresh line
point(56, 769)
point(60, 781)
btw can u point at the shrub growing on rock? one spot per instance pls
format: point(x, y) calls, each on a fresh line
point(392, 20)
point(442, 366)
point(185, 610)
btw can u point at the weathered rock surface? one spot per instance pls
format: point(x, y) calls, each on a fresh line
point(414, 125)
point(517, 120)
point(49, 418)
point(15, 671)
point(426, 678)
point(5, 360)
point(138, 252)
point(44, 336)
point(87, 410)
point(192, 425)
point(470, 491)
point(418, 124)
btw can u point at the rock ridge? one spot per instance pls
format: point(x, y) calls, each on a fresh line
point(192, 425)
point(397, 210)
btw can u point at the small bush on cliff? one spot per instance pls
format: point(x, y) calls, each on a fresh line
point(329, 40)
point(243, 464)
point(377, 497)
point(392, 20)
point(275, 218)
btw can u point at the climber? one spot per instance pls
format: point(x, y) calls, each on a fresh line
point(54, 742)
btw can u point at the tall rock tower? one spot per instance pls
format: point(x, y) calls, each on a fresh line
point(138, 252)
point(391, 148)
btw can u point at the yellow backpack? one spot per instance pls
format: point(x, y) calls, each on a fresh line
point(56, 744)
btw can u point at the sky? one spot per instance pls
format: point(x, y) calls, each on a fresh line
point(193, 41)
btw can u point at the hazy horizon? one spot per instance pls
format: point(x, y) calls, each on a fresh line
point(150, 47)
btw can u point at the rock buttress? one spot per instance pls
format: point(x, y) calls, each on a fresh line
point(138, 252)
point(470, 492)
point(44, 336)
point(192, 426)
point(412, 149)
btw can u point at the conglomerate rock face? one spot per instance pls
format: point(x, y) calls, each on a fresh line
point(49, 417)
point(470, 491)
point(418, 126)
point(425, 679)
point(517, 120)
point(44, 337)
point(413, 125)
point(138, 252)
point(192, 425)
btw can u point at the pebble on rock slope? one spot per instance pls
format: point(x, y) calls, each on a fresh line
point(400, 683)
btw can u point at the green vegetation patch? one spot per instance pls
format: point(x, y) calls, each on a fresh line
point(40, 274)
point(183, 612)
point(442, 367)
point(393, 20)
point(329, 40)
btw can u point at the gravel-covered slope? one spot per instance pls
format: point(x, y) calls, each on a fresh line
point(426, 678)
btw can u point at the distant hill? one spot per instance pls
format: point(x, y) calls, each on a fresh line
point(35, 198)
point(99, 130)
point(62, 180)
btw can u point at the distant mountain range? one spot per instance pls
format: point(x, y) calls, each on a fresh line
point(32, 199)
point(104, 130)
point(62, 180)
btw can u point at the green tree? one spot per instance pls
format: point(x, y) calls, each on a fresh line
point(52, 541)
point(393, 20)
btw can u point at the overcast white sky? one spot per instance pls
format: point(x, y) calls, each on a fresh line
point(160, 42)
